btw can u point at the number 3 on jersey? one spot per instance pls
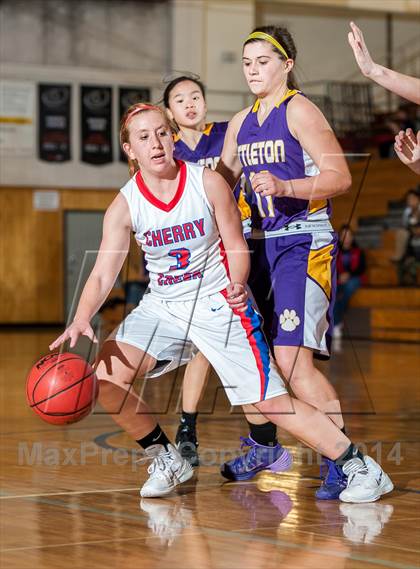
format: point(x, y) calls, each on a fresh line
point(182, 257)
point(267, 199)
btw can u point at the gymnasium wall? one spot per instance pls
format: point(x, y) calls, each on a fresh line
point(32, 278)
point(32, 256)
point(102, 42)
point(123, 43)
point(135, 43)
point(107, 34)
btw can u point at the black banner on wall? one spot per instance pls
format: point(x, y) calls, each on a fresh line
point(54, 105)
point(96, 110)
point(129, 96)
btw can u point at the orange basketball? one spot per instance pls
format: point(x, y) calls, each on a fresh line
point(62, 388)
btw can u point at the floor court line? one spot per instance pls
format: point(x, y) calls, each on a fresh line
point(241, 534)
point(238, 534)
point(69, 493)
point(394, 518)
point(386, 546)
point(74, 543)
point(3, 496)
point(79, 492)
point(396, 473)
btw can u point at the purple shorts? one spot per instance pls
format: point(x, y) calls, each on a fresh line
point(293, 280)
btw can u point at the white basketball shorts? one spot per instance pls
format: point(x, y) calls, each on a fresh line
point(233, 342)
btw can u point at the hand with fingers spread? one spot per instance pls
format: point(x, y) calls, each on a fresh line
point(266, 184)
point(407, 147)
point(237, 296)
point(76, 329)
point(360, 50)
point(403, 85)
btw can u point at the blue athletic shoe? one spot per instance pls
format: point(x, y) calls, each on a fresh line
point(334, 483)
point(258, 457)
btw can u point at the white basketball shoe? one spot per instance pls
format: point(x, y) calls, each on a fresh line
point(366, 481)
point(167, 470)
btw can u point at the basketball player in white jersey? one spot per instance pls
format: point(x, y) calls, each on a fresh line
point(181, 214)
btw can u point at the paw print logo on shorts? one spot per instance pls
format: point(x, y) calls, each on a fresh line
point(289, 320)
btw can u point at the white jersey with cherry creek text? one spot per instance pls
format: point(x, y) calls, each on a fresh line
point(180, 240)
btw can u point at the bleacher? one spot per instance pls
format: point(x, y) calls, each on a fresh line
point(381, 310)
point(394, 312)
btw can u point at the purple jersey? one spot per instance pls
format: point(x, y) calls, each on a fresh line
point(209, 148)
point(207, 153)
point(272, 147)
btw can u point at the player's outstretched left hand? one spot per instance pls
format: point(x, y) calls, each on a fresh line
point(237, 296)
point(73, 332)
point(361, 53)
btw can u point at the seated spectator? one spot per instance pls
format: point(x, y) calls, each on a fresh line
point(410, 218)
point(410, 262)
point(351, 266)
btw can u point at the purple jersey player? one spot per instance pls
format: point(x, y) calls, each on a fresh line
point(288, 152)
point(197, 140)
point(209, 147)
point(202, 142)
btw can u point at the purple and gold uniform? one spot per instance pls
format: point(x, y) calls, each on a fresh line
point(207, 153)
point(209, 148)
point(293, 244)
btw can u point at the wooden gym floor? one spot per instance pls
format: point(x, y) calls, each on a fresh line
point(70, 495)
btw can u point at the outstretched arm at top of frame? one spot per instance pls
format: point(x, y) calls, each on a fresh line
point(400, 84)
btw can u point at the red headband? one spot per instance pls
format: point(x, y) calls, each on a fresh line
point(140, 107)
point(143, 107)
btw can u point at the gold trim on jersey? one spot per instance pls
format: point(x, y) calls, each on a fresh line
point(208, 128)
point(256, 106)
point(206, 131)
point(316, 205)
point(319, 267)
point(289, 93)
point(243, 206)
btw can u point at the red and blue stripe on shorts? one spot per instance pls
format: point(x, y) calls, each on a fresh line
point(252, 324)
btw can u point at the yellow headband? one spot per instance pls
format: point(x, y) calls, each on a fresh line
point(270, 39)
